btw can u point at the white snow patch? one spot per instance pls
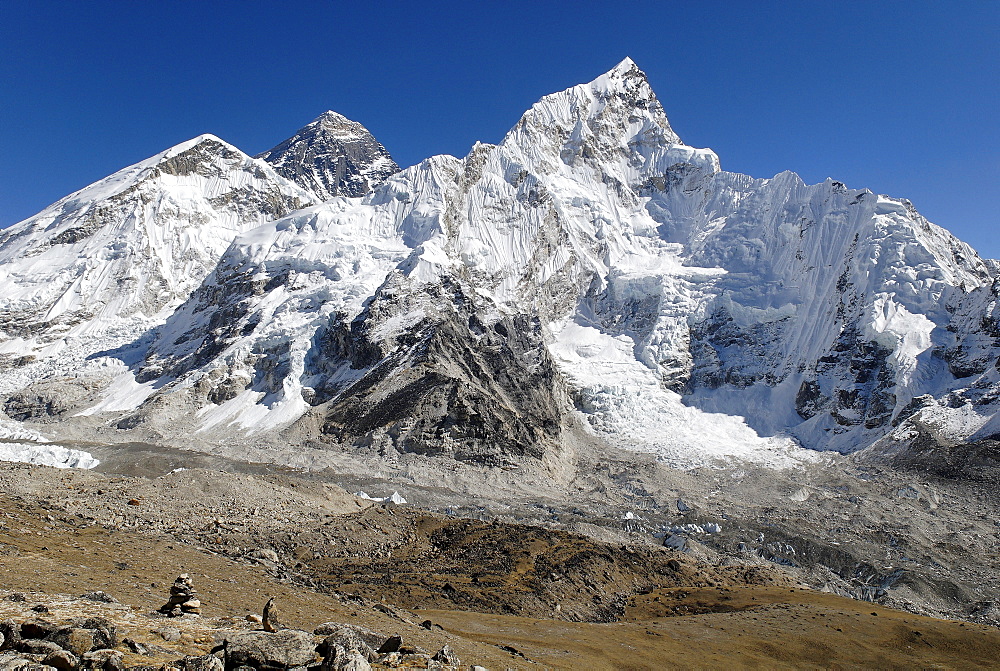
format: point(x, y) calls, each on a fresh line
point(395, 498)
point(47, 455)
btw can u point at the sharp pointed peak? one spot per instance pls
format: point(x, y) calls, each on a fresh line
point(204, 138)
point(626, 73)
point(331, 116)
point(626, 65)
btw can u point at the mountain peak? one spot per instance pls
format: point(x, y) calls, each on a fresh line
point(332, 156)
point(624, 67)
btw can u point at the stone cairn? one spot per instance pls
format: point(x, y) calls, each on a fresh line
point(182, 598)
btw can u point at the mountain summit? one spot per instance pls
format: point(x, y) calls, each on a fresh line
point(332, 156)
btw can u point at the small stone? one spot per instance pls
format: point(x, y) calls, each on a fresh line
point(17, 596)
point(99, 596)
point(264, 554)
point(40, 608)
point(254, 618)
point(135, 646)
point(447, 656)
point(168, 634)
point(134, 502)
point(392, 660)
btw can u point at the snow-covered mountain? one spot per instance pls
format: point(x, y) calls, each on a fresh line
point(333, 156)
point(105, 264)
point(590, 268)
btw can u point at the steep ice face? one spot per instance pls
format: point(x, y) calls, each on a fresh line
point(104, 264)
point(333, 156)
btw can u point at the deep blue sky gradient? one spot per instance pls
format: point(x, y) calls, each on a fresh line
point(899, 97)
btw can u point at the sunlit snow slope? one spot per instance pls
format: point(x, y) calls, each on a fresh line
point(588, 267)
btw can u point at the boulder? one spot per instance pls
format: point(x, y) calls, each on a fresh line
point(10, 633)
point(105, 631)
point(200, 663)
point(270, 650)
point(12, 660)
point(340, 659)
point(349, 637)
point(391, 644)
point(64, 660)
point(447, 656)
point(80, 640)
point(103, 660)
point(36, 647)
point(37, 628)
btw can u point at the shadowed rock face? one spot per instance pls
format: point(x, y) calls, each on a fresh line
point(450, 384)
point(333, 156)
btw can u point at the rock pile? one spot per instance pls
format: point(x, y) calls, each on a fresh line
point(182, 598)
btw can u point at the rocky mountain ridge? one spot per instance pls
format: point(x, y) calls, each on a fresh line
point(590, 270)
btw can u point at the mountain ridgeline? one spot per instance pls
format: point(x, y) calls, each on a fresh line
point(589, 273)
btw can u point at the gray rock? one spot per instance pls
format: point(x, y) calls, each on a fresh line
point(37, 628)
point(64, 660)
point(22, 661)
point(347, 632)
point(341, 659)
point(350, 637)
point(80, 640)
point(265, 554)
point(37, 647)
point(135, 646)
point(391, 644)
point(103, 660)
point(267, 650)
point(100, 596)
point(105, 631)
point(447, 656)
point(200, 663)
point(168, 634)
point(10, 634)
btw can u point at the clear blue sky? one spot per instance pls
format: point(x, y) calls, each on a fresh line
point(899, 97)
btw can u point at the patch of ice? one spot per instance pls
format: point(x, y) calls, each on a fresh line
point(47, 455)
point(395, 498)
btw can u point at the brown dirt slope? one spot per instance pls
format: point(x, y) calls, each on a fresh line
point(686, 615)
